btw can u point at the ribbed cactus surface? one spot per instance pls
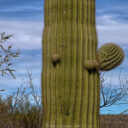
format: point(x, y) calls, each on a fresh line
point(110, 56)
point(70, 91)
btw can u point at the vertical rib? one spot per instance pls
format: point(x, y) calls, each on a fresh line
point(70, 92)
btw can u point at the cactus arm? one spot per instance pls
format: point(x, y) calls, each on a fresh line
point(110, 56)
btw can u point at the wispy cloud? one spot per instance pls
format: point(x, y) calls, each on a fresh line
point(21, 9)
point(115, 32)
point(27, 34)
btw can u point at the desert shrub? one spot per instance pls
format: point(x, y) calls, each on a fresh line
point(22, 109)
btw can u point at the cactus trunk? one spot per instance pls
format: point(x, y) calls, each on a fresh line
point(71, 93)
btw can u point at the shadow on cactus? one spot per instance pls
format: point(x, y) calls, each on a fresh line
point(110, 56)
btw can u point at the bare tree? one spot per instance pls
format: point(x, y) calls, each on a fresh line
point(6, 55)
point(114, 95)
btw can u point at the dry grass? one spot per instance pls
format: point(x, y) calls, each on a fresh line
point(24, 110)
point(114, 121)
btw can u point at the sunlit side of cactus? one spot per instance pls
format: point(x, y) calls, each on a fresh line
point(70, 78)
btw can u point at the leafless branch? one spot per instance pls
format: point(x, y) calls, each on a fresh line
point(113, 95)
point(6, 56)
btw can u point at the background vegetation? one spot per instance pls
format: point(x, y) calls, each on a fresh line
point(23, 109)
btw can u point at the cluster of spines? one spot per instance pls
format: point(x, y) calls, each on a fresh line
point(55, 58)
point(91, 64)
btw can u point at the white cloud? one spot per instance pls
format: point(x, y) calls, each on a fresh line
point(27, 34)
point(27, 37)
point(106, 19)
point(111, 30)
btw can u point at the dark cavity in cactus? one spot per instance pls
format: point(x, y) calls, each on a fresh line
point(56, 58)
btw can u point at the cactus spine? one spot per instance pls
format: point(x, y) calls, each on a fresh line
point(70, 92)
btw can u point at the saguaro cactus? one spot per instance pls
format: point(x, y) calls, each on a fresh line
point(70, 78)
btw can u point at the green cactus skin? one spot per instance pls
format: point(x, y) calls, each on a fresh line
point(110, 56)
point(70, 92)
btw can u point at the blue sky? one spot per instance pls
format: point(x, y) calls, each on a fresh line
point(24, 19)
